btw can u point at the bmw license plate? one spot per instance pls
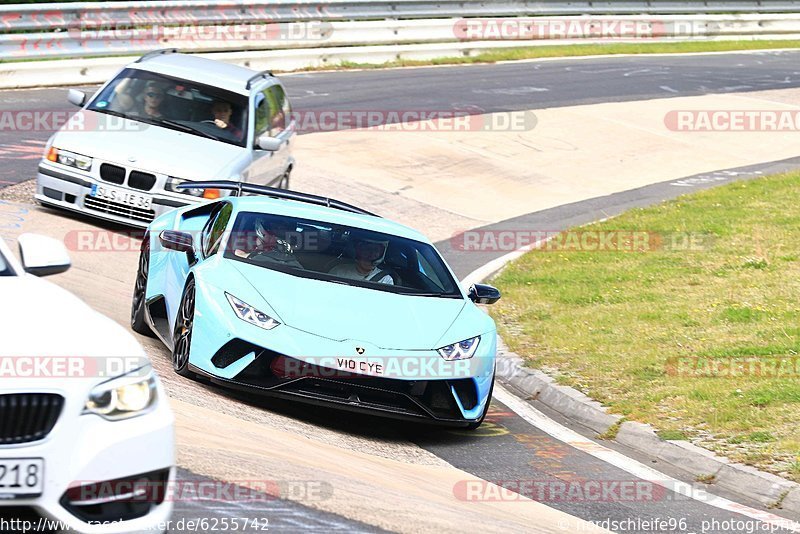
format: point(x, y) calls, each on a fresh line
point(21, 477)
point(121, 196)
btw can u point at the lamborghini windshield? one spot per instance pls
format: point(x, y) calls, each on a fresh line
point(340, 254)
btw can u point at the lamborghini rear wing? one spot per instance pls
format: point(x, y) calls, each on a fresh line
point(239, 188)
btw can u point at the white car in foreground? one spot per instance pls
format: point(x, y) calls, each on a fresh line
point(86, 432)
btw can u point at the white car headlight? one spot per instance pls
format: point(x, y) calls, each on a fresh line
point(462, 350)
point(126, 396)
point(173, 183)
point(71, 159)
point(249, 314)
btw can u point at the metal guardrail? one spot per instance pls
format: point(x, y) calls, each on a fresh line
point(83, 29)
point(43, 16)
point(64, 16)
point(327, 34)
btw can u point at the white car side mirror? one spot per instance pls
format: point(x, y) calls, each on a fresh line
point(42, 255)
point(76, 97)
point(265, 142)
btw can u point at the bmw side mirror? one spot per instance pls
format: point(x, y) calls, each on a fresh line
point(76, 97)
point(178, 241)
point(271, 144)
point(483, 294)
point(42, 256)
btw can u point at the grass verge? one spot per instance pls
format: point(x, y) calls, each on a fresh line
point(698, 335)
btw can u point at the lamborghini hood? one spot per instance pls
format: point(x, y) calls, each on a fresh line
point(341, 312)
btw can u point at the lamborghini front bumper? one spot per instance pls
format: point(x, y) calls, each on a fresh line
point(455, 401)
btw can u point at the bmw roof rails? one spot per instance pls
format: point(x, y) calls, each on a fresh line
point(240, 188)
point(254, 79)
point(155, 53)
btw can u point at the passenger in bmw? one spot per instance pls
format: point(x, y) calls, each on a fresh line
point(153, 97)
point(146, 104)
point(264, 245)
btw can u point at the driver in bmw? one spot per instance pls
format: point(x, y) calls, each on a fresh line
point(265, 246)
point(222, 112)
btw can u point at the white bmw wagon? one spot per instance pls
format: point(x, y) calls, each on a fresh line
point(162, 120)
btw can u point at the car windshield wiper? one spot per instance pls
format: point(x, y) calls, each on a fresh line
point(423, 294)
point(114, 113)
point(185, 128)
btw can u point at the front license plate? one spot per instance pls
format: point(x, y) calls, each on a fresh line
point(21, 477)
point(367, 367)
point(121, 196)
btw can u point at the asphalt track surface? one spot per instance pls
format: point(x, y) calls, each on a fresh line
point(477, 88)
point(507, 447)
point(257, 513)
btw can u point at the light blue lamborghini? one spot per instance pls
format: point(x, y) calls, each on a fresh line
point(308, 298)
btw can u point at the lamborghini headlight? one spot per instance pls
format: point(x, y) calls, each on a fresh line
point(249, 314)
point(462, 350)
point(126, 396)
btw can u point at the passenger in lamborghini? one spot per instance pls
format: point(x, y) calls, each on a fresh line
point(365, 266)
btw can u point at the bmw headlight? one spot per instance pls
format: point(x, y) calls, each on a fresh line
point(71, 159)
point(173, 183)
point(127, 396)
point(249, 314)
point(462, 350)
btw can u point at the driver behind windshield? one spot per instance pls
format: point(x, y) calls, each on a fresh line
point(368, 255)
point(222, 111)
point(264, 245)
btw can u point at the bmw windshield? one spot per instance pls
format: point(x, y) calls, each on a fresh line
point(176, 104)
point(340, 254)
